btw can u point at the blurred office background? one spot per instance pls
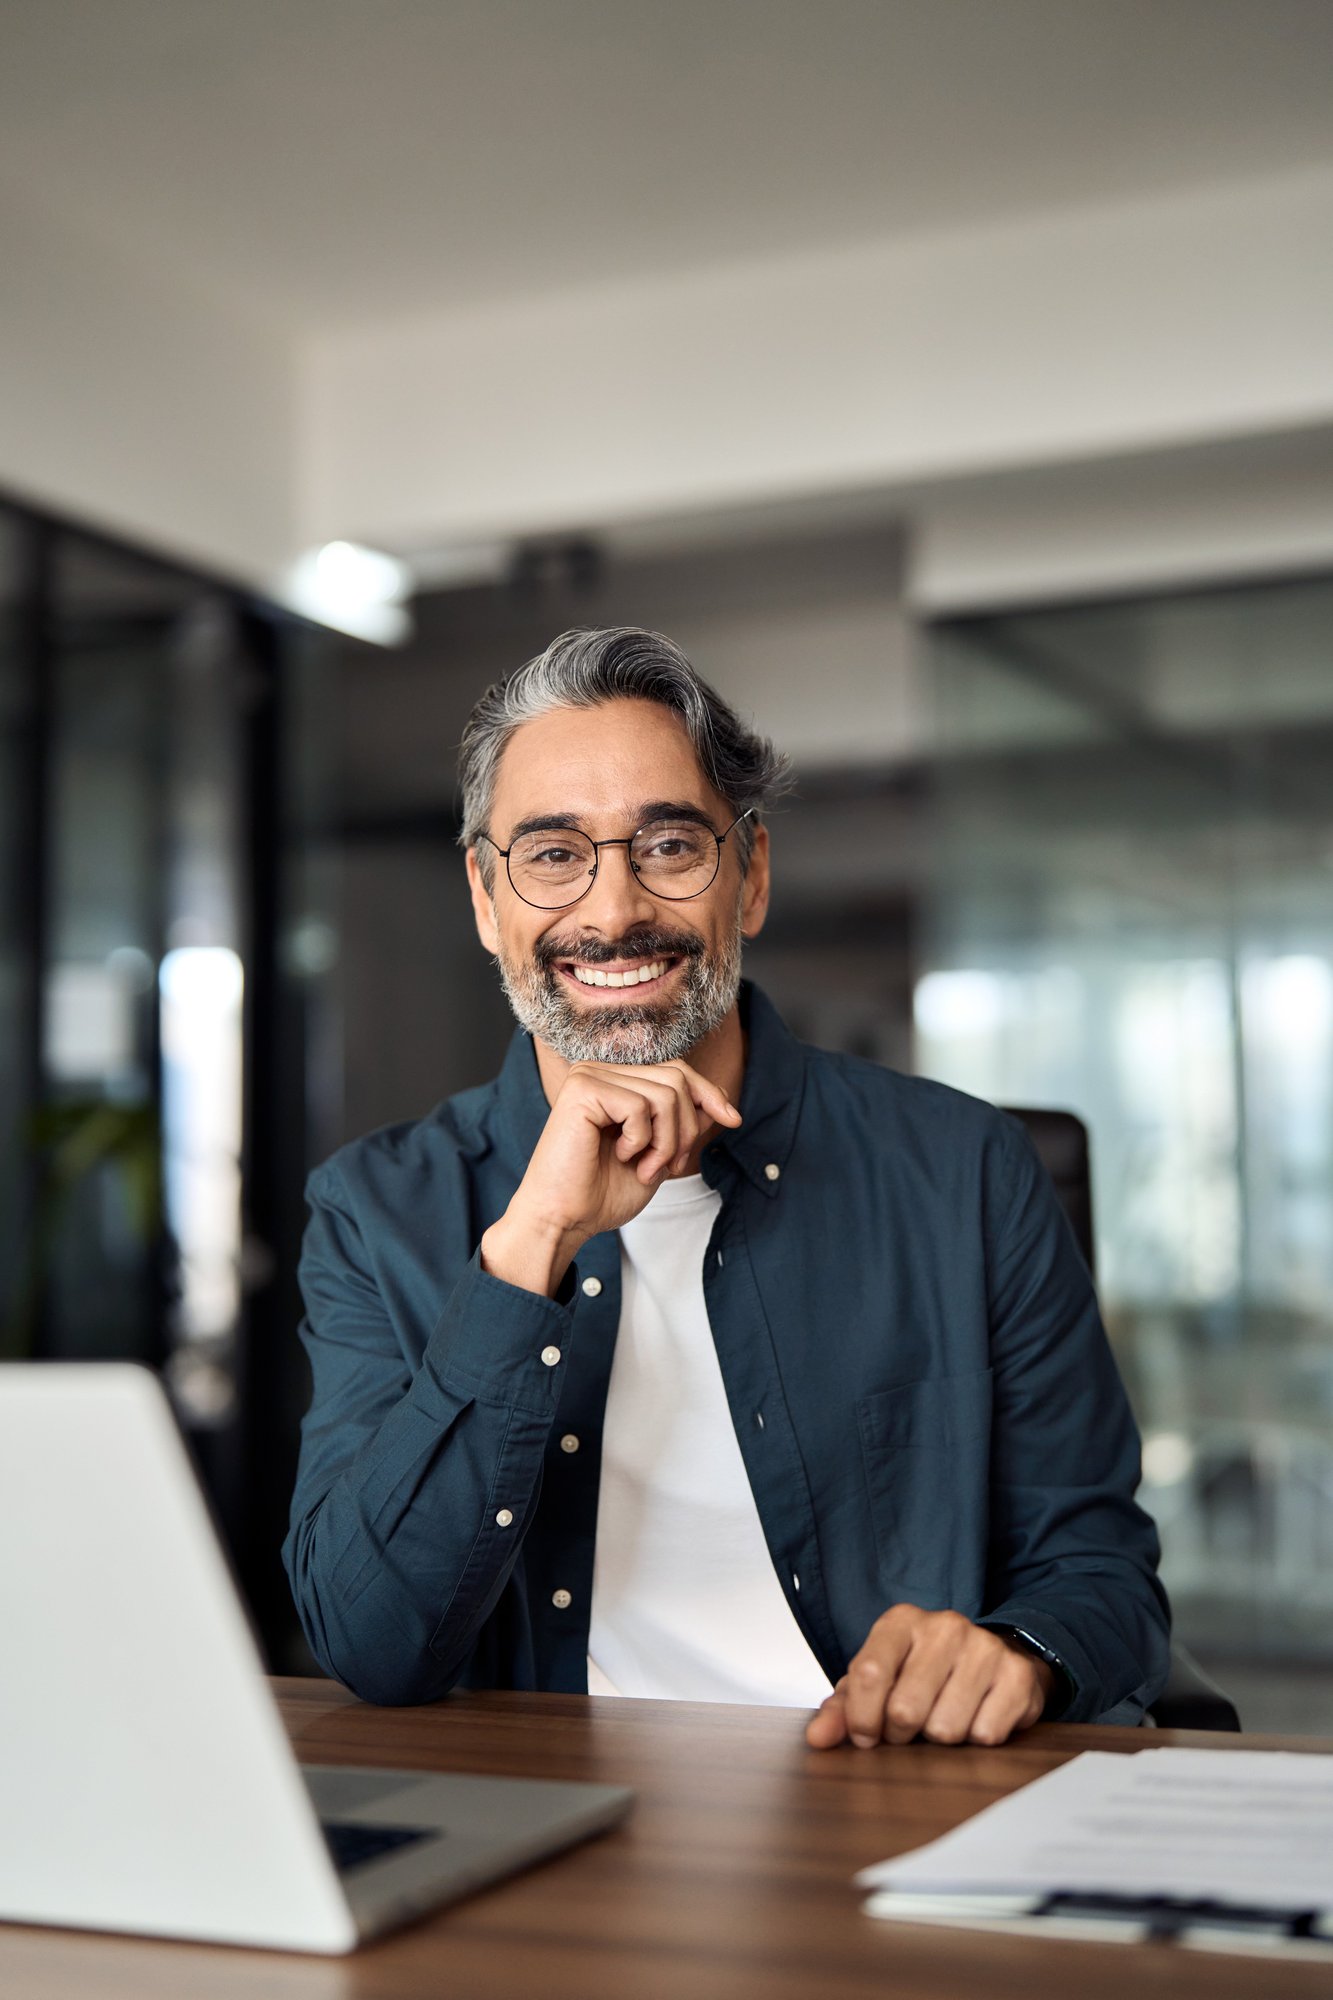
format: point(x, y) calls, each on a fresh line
point(953, 378)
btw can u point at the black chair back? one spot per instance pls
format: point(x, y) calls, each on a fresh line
point(1061, 1141)
point(1189, 1700)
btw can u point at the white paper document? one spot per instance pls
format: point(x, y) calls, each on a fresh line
point(1249, 1831)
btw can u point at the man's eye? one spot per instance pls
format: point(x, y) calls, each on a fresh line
point(676, 843)
point(553, 857)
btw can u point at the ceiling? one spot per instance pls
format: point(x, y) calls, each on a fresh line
point(326, 163)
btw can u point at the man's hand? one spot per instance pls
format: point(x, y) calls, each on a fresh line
point(615, 1133)
point(932, 1674)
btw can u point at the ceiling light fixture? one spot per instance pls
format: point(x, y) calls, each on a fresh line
point(354, 589)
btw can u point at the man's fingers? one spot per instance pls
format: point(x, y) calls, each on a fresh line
point(706, 1095)
point(694, 1090)
point(827, 1727)
point(904, 1669)
point(634, 1137)
point(999, 1715)
point(915, 1692)
point(874, 1673)
point(671, 1107)
point(691, 1094)
point(959, 1699)
point(648, 1114)
point(1015, 1701)
point(629, 1116)
point(932, 1674)
point(675, 1126)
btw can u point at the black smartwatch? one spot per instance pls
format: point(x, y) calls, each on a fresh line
point(1062, 1693)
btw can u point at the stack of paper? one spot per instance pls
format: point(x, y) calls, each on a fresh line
point(1224, 1849)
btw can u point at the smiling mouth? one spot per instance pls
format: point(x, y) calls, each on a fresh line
point(650, 972)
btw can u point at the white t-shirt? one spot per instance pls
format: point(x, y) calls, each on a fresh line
point(685, 1599)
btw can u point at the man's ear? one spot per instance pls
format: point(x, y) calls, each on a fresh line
point(483, 907)
point(754, 895)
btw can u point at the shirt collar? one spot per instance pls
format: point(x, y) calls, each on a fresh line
point(522, 1102)
point(770, 1096)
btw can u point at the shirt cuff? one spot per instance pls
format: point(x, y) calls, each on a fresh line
point(500, 1344)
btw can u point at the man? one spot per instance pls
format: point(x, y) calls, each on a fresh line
point(684, 1359)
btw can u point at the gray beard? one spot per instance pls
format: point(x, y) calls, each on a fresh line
point(651, 1033)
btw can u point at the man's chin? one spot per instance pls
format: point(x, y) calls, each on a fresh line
point(622, 1033)
point(620, 1013)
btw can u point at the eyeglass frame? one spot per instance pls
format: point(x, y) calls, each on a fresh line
point(597, 846)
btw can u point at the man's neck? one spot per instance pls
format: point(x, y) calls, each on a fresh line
point(720, 1057)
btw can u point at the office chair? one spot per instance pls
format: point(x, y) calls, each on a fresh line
point(1189, 1700)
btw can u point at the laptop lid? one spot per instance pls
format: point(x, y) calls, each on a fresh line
point(148, 1783)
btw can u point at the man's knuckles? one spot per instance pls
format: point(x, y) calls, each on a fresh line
point(1016, 1674)
point(949, 1728)
point(904, 1619)
point(991, 1731)
point(947, 1635)
point(907, 1707)
point(895, 1624)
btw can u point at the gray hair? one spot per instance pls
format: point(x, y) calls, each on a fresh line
point(583, 669)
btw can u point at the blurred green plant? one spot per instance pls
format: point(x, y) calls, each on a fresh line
point(69, 1142)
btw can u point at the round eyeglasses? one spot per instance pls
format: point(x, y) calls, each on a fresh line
point(552, 867)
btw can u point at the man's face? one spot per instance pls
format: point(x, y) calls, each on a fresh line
point(611, 769)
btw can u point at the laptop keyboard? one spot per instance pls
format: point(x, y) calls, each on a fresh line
point(352, 1843)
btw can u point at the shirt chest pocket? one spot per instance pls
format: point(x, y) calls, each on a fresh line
point(925, 1447)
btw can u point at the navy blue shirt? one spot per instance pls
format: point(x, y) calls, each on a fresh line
point(893, 1289)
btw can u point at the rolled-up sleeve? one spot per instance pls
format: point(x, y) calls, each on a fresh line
point(1073, 1558)
point(416, 1481)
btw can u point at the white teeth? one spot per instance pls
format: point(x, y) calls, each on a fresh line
point(592, 975)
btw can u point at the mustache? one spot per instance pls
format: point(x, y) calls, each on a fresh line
point(649, 942)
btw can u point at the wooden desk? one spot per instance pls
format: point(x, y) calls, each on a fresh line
point(730, 1881)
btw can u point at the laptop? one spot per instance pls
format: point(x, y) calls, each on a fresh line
point(146, 1781)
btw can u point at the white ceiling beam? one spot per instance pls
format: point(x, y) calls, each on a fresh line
point(1078, 335)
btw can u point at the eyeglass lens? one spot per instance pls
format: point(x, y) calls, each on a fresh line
point(673, 859)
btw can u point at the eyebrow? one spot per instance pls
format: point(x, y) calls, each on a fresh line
point(544, 823)
point(644, 815)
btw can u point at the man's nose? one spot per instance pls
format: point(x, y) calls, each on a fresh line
point(617, 897)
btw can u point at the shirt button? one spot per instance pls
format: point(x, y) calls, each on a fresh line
point(592, 1288)
point(772, 1171)
point(569, 1442)
point(561, 1599)
point(550, 1355)
point(504, 1519)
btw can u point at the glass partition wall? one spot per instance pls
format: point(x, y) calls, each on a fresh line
point(152, 1087)
point(123, 1168)
point(1129, 913)
point(20, 727)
